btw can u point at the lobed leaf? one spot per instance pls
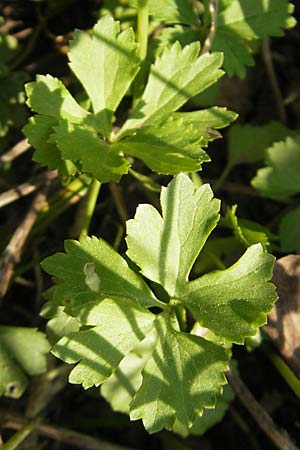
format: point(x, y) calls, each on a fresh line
point(81, 143)
point(281, 176)
point(48, 96)
point(170, 148)
point(257, 19)
point(237, 54)
point(117, 327)
point(206, 121)
point(176, 76)
point(165, 247)
point(38, 132)
point(234, 302)
point(174, 11)
point(91, 268)
point(106, 64)
point(185, 373)
point(240, 21)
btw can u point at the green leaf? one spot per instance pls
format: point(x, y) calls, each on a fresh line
point(211, 417)
point(171, 148)
point(117, 327)
point(106, 64)
point(257, 19)
point(206, 121)
point(281, 176)
point(121, 386)
point(246, 231)
point(91, 268)
point(48, 96)
point(82, 143)
point(243, 149)
point(237, 55)
point(234, 302)
point(176, 76)
point(22, 351)
point(184, 372)
point(173, 11)
point(174, 146)
point(169, 35)
point(244, 20)
point(166, 247)
point(38, 131)
point(61, 324)
point(289, 231)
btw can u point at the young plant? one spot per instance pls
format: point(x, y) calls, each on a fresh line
point(124, 325)
point(180, 373)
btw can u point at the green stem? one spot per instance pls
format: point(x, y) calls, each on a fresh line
point(17, 439)
point(218, 183)
point(88, 207)
point(284, 371)
point(142, 38)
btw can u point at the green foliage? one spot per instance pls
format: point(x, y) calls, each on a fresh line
point(22, 351)
point(243, 21)
point(239, 24)
point(130, 324)
point(164, 375)
point(289, 232)
point(62, 130)
point(280, 178)
point(246, 231)
point(244, 149)
point(173, 11)
point(107, 81)
point(12, 111)
point(175, 146)
point(211, 417)
point(177, 75)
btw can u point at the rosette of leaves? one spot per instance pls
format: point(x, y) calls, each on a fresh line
point(123, 329)
point(71, 138)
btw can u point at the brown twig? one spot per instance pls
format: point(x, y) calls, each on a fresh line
point(267, 57)
point(26, 188)
point(279, 437)
point(17, 150)
point(213, 9)
point(23, 34)
point(13, 251)
point(59, 434)
point(9, 24)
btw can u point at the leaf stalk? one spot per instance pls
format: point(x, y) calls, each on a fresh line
point(88, 207)
point(142, 38)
